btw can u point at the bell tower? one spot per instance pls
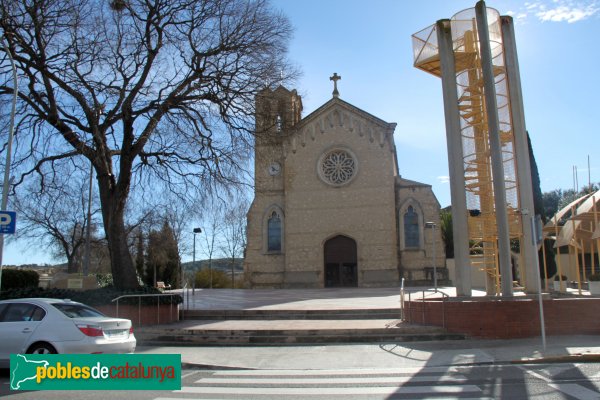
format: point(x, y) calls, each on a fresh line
point(277, 111)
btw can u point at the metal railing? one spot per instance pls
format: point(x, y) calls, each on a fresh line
point(139, 296)
point(402, 316)
point(445, 297)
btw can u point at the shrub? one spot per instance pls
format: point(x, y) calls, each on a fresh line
point(19, 278)
point(594, 277)
point(104, 280)
point(220, 279)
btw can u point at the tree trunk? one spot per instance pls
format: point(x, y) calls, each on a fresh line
point(72, 266)
point(113, 203)
point(122, 266)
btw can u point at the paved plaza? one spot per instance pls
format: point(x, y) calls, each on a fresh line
point(433, 353)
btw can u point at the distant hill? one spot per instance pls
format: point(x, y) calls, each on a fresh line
point(37, 266)
point(222, 264)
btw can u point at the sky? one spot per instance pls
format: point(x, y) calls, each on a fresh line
point(369, 44)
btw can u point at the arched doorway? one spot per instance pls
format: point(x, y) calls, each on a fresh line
point(340, 262)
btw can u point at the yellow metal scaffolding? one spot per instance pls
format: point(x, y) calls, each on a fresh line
point(483, 233)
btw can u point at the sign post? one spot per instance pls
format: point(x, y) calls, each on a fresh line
point(11, 129)
point(8, 221)
point(537, 238)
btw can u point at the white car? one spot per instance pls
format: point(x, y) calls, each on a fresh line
point(50, 326)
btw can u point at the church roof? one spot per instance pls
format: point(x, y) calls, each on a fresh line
point(336, 101)
point(402, 182)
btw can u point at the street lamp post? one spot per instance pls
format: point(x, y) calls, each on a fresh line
point(11, 129)
point(432, 226)
point(86, 262)
point(196, 230)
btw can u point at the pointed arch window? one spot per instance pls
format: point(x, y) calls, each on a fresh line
point(411, 228)
point(278, 123)
point(274, 232)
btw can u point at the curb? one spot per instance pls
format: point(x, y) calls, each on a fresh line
point(570, 358)
point(210, 367)
point(574, 358)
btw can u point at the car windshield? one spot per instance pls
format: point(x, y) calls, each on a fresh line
point(77, 310)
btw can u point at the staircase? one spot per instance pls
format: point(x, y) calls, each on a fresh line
point(288, 327)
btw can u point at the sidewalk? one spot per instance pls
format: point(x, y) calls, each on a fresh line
point(575, 348)
point(400, 355)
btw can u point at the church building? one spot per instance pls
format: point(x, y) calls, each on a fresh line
point(330, 207)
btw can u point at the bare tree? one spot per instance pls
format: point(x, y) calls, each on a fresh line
point(234, 232)
point(57, 217)
point(154, 93)
point(212, 219)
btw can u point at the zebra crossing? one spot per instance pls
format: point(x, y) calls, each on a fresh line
point(414, 383)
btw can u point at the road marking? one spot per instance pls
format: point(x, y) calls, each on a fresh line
point(392, 380)
point(345, 372)
point(334, 396)
point(188, 374)
point(535, 374)
point(304, 391)
point(577, 391)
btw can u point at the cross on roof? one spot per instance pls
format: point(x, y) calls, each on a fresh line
point(335, 78)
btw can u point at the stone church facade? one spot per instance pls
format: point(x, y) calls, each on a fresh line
point(330, 208)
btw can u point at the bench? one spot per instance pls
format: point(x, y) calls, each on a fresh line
point(160, 285)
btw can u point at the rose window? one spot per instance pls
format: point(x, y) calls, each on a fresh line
point(337, 167)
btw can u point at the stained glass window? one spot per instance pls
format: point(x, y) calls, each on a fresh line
point(274, 232)
point(411, 228)
point(338, 167)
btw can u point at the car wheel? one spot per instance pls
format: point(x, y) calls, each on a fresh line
point(42, 348)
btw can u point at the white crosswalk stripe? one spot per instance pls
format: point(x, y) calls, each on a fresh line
point(385, 390)
point(435, 382)
point(576, 391)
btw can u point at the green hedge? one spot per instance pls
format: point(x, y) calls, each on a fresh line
point(94, 297)
point(219, 279)
point(19, 278)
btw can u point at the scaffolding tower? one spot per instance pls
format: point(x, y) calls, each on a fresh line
point(482, 133)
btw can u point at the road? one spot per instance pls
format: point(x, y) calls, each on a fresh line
point(495, 381)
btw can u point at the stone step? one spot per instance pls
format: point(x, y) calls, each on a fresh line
point(283, 332)
point(282, 314)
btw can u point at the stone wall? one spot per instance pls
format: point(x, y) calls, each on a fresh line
point(415, 261)
point(363, 209)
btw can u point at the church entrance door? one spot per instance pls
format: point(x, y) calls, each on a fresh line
point(340, 262)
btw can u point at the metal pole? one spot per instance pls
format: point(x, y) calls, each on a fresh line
point(194, 266)
point(11, 130)
point(434, 263)
point(431, 226)
point(196, 230)
point(402, 316)
point(539, 283)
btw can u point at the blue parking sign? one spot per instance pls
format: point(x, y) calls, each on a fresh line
point(8, 221)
